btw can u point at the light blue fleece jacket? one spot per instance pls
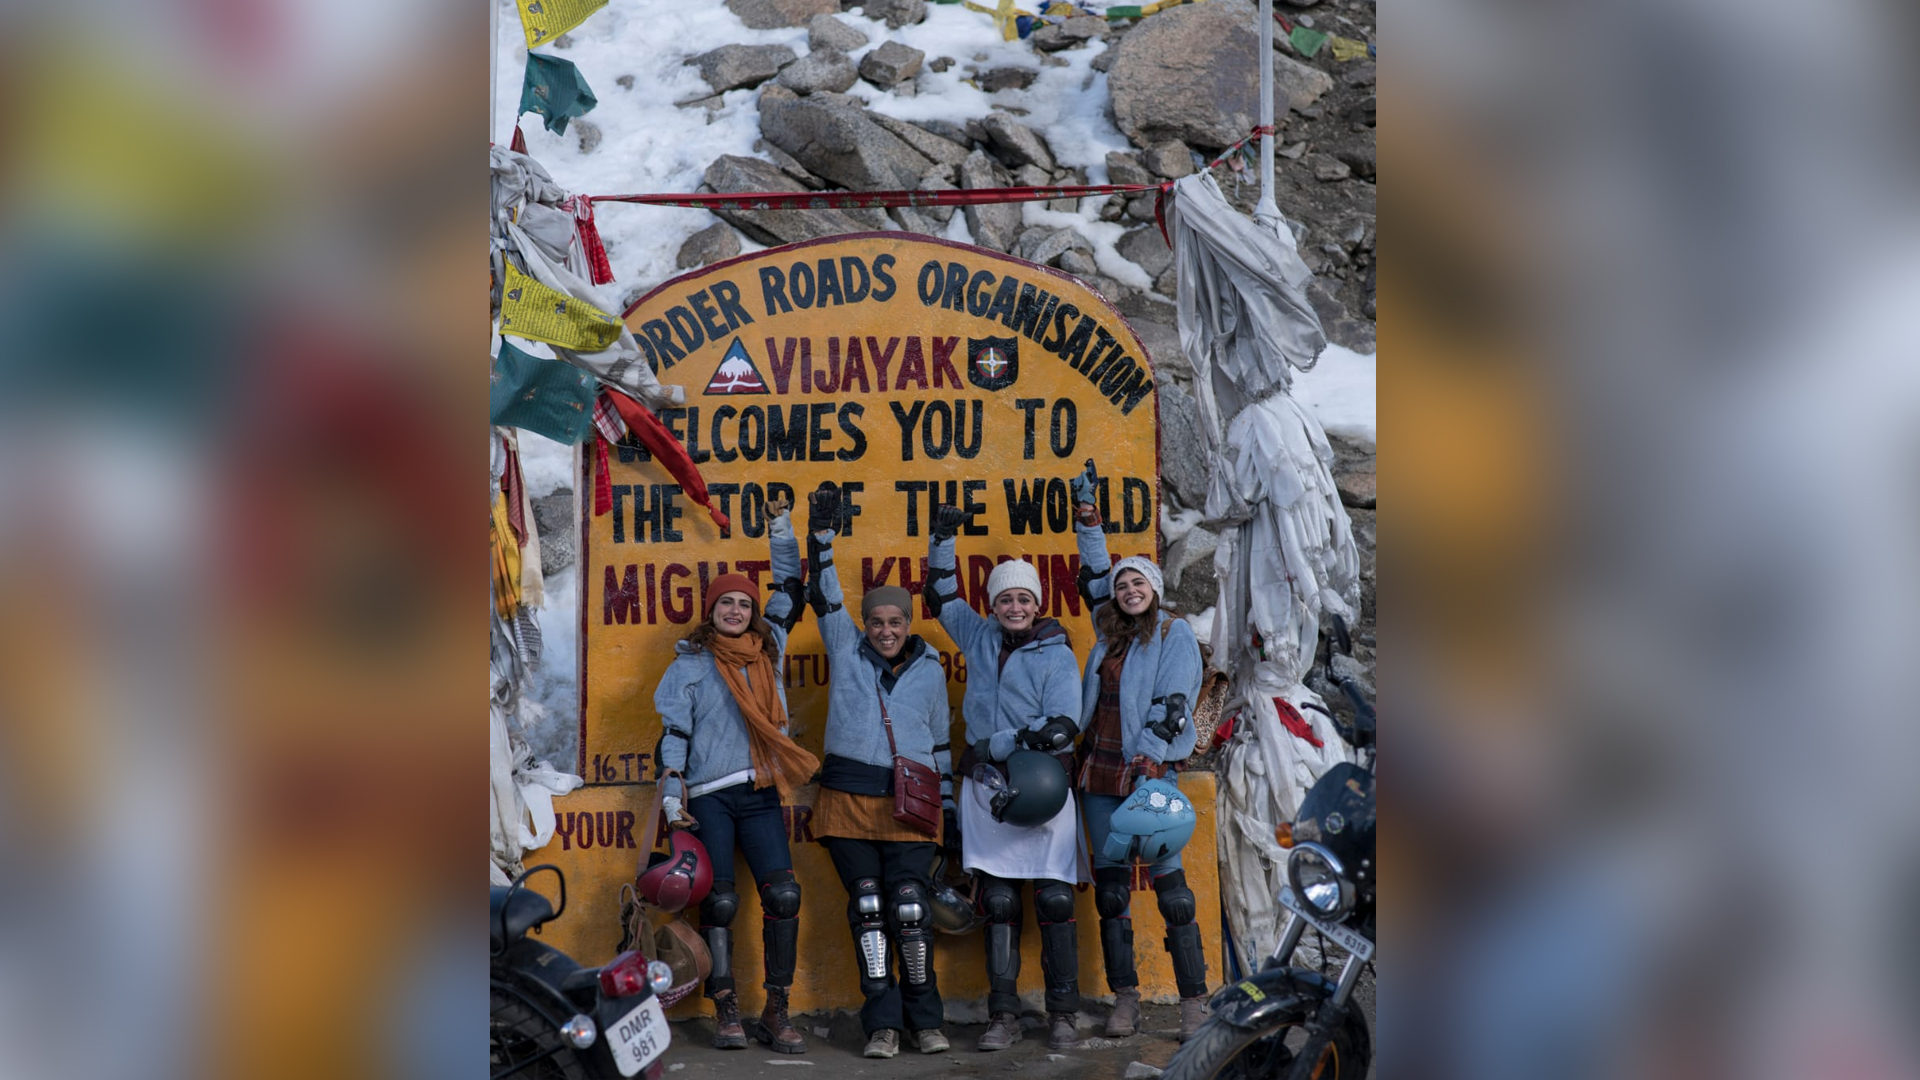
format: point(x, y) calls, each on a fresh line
point(1168, 662)
point(1041, 680)
point(917, 703)
point(704, 737)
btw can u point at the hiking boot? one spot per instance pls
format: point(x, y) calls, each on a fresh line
point(932, 1041)
point(727, 1032)
point(774, 1029)
point(884, 1044)
point(1124, 1020)
point(1193, 1013)
point(1003, 1030)
point(1065, 1033)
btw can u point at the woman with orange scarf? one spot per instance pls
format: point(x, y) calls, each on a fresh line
point(723, 710)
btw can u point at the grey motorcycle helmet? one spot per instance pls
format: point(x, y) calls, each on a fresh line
point(1036, 788)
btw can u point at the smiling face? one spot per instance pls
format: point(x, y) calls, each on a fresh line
point(887, 629)
point(733, 613)
point(1132, 591)
point(1016, 609)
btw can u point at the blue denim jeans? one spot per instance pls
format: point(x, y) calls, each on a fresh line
point(749, 817)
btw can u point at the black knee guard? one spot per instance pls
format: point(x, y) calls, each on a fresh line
point(1001, 901)
point(1059, 944)
point(913, 929)
point(1189, 962)
point(780, 926)
point(1176, 900)
point(1112, 890)
point(719, 906)
point(780, 895)
point(869, 935)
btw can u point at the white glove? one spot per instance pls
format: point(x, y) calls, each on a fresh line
point(670, 804)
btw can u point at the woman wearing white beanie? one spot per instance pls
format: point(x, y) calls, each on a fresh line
point(1023, 691)
point(1145, 659)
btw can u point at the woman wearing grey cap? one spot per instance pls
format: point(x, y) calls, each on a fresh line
point(883, 677)
point(1144, 664)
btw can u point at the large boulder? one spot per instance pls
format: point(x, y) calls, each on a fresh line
point(1145, 248)
point(553, 518)
point(1184, 471)
point(836, 139)
point(827, 32)
point(822, 69)
point(1044, 245)
point(730, 67)
point(1190, 74)
point(941, 150)
point(1303, 82)
point(733, 173)
point(896, 13)
point(996, 225)
point(773, 14)
point(715, 243)
point(1015, 143)
point(891, 64)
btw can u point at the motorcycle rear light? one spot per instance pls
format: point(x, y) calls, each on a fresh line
point(1283, 832)
point(625, 976)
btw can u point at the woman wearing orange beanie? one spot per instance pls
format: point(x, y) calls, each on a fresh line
point(723, 710)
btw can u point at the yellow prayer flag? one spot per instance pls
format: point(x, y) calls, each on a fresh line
point(506, 560)
point(529, 309)
point(1347, 49)
point(544, 20)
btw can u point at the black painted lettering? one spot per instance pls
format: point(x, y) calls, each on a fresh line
point(956, 298)
point(1065, 427)
point(727, 295)
point(961, 445)
point(830, 283)
point(1060, 317)
point(620, 491)
point(692, 334)
point(786, 433)
point(974, 508)
point(913, 488)
point(1138, 387)
point(1002, 306)
point(937, 448)
point(1059, 518)
point(1074, 350)
point(1026, 313)
point(662, 338)
point(976, 300)
point(773, 290)
point(753, 433)
point(720, 449)
point(818, 432)
point(1024, 506)
point(906, 418)
point(849, 266)
point(710, 320)
point(1027, 407)
point(883, 281)
point(1136, 502)
point(800, 283)
point(933, 281)
point(850, 412)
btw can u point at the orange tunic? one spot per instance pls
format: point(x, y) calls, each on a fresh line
point(861, 817)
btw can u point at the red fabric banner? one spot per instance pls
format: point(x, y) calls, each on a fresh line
point(660, 442)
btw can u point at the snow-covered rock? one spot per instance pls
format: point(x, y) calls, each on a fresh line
point(731, 67)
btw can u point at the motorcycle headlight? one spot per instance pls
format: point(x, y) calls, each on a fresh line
point(659, 977)
point(1319, 881)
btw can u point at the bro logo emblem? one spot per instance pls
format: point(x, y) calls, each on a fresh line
point(993, 363)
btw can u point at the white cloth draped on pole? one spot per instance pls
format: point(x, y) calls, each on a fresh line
point(529, 229)
point(1286, 551)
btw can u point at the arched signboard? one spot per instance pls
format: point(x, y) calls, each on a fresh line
point(909, 372)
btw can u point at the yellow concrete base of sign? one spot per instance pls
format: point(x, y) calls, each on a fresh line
point(590, 928)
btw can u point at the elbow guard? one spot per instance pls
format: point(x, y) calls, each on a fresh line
point(1086, 580)
point(796, 593)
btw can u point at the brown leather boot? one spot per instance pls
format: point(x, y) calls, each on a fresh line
point(1003, 1031)
point(728, 1034)
point(1193, 1013)
point(774, 1029)
point(1124, 1020)
point(1063, 1033)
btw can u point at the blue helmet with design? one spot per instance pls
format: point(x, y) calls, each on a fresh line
point(1151, 824)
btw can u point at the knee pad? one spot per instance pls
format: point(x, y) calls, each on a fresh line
point(1002, 904)
point(1112, 890)
point(910, 908)
point(780, 896)
point(1176, 900)
point(863, 903)
point(719, 906)
point(1053, 901)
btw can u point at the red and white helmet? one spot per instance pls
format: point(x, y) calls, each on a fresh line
point(679, 877)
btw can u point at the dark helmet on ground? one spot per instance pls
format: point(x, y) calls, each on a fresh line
point(953, 910)
point(1036, 789)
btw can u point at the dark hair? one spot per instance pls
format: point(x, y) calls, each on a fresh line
point(1121, 629)
point(700, 635)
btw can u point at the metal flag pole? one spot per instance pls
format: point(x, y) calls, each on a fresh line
point(1266, 211)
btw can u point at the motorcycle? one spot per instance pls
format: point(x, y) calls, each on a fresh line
point(1295, 1022)
point(551, 1018)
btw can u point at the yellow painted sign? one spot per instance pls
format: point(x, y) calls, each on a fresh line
point(909, 372)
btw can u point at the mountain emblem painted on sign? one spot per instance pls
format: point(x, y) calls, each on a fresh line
point(736, 374)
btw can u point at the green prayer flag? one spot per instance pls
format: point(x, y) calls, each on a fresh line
point(551, 397)
point(556, 90)
point(1306, 42)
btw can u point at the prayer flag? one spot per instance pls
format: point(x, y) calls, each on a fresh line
point(529, 309)
point(555, 90)
point(544, 20)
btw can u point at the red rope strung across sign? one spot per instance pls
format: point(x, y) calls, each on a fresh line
point(860, 200)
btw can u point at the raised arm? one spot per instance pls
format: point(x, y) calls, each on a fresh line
point(783, 607)
point(962, 623)
point(1178, 673)
point(1096, 582)
point(837, 628)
